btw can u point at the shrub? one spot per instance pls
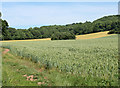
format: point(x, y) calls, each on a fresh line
point(62, 36)
point(111, 32)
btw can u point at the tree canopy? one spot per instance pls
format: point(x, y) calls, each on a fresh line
point(59, 32)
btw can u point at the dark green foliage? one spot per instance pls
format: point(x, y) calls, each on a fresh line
point(0, 27)
point(0, 14)
point(5, 32)
point(115, 27)
point(62, 36)
point(62, 32)
point(111, 32)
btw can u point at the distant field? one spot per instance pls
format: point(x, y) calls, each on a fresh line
point(94, 35)
point(88, 58)
point(27, 40)
point(86, 36)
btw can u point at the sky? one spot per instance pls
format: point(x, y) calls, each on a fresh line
point(36, 14)
point(60, 0)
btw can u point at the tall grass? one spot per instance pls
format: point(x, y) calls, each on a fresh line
point(93, 57)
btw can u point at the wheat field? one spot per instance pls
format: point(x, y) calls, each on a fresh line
point(92, 57)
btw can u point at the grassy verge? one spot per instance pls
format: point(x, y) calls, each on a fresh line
point(16, 71)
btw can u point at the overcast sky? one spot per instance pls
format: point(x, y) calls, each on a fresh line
point(31, 14)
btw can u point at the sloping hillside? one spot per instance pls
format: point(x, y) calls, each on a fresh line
point(94, 35)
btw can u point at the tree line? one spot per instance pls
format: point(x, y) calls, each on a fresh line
point(61, 32)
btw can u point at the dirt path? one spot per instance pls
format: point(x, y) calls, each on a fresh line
point(38, 77)
point(5, 51)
